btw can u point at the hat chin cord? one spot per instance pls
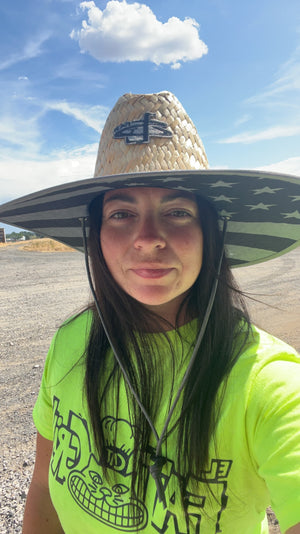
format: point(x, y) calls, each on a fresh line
point(157, 459)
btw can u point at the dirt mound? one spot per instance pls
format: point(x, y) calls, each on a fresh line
point(45, 245)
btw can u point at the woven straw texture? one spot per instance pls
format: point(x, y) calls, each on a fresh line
point(183, 151)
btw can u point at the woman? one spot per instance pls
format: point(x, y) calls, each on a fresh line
point(162, 409)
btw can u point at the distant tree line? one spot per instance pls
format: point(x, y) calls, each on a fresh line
point(17, 236)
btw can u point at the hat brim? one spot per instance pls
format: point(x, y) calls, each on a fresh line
point(262, 208)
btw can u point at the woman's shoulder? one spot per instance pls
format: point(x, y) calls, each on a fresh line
point(67, 353)
point(265, 355)
point(266, 368)
point(73, 334)
point(266, 346)
point(81, 320)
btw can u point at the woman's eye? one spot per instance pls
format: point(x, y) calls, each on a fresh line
point(180, 213)
point(120, 215)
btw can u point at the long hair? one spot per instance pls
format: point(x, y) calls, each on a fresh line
point(128, 323)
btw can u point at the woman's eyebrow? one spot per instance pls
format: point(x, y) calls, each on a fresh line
point(177, 196)
point(120, 196)
point(126, 197)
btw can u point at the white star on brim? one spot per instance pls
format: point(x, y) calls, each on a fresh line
point(182, 188)
point(266, 190)
point(225, 213)
point(294, 215)
point(221, 198)
point(171, 179)
point(260, 206)
point(220, 183)
point(135, 184)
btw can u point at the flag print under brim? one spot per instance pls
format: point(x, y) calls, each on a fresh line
point(263, 209)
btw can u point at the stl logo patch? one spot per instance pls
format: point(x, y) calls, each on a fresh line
point(140, 131)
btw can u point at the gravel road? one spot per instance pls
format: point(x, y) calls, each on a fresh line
point(37, 292)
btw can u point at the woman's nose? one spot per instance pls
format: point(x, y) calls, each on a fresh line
point(149, 235)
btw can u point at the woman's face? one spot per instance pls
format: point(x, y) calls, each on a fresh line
point(152, 243)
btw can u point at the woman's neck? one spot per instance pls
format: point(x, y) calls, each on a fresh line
point(170, 314)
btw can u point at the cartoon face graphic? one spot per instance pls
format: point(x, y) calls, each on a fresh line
point(111, 505)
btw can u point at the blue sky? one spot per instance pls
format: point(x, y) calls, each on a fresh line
point(234, 65)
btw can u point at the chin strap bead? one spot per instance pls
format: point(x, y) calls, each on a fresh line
point(155, 470)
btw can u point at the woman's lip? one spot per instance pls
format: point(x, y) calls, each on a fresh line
point(152, 273)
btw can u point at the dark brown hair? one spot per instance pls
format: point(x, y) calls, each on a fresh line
point(223, 341)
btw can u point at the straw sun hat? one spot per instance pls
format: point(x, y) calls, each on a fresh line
point(150, 141)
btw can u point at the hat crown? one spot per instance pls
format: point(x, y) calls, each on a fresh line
point(146, 133)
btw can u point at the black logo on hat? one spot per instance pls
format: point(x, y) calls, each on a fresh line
point(140, 131)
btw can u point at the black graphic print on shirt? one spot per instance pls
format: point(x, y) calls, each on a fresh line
point(74, 466)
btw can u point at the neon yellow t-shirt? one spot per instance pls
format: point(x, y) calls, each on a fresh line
point(254, 463)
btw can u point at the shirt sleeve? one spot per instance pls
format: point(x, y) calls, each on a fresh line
point(67, 348)
point(273, 425)
point(42, 411)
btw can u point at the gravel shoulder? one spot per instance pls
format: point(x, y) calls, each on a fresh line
point(38, 291)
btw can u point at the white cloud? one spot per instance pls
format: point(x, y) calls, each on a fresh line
point(72, 69)
point(286, 81)
point(287, 166)
point(264, 135)
point(21, 134)
point(279, 102)
point(131, 32)
point(92, 116)
point(32, 49)
point(22, 176)
point(24, 167)
point(242, 120)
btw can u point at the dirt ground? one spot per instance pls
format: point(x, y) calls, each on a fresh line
point(38, 290)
